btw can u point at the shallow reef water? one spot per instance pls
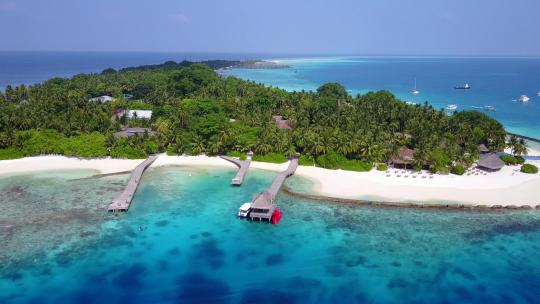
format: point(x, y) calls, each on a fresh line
point(180, 242)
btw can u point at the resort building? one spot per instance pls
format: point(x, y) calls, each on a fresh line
point(129, 132)
point(102, 99)
point(281, 122)
point(490, 162)
point(143, 114)
point(403, 158)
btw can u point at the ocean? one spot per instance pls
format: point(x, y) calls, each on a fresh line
point(181, 243)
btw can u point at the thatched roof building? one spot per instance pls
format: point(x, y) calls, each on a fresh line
point(281, 122)
point(483, 149)
point(490, 162)
point(404, 156)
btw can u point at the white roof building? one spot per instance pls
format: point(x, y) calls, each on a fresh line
point(145, 114)
point(102, 99)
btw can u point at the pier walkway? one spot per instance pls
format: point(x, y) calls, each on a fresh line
point(123, 201)
point(264, 204)
point(242, 164)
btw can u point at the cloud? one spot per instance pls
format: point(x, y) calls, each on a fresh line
point(7, 6)
point(178, 18)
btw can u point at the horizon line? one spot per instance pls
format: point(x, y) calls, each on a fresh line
point(299, 54)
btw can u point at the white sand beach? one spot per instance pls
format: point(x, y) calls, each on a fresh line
point(507, 187)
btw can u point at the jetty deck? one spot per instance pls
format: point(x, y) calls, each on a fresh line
point(238, 179)
point(264, 204)
point(123, 201)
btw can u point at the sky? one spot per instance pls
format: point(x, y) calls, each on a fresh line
point(361, 27)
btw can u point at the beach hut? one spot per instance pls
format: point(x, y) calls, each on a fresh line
point(282, 123)
point(490, 162)
point(403, 158)
point(483, 149)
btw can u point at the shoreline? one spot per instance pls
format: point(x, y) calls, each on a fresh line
point(508, 187)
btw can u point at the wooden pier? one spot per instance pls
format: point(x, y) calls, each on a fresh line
point(123, 201)
point(238, 179)
point(264, 204)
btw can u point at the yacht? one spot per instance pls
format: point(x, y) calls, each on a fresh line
point(410, 103)
point(489, 108)
point(538, 94)
point(463, 87)
point(524, 99)
point(415, 91)
point(451, 107)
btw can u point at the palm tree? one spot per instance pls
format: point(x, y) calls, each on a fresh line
point(512, 142)
point(520, 148)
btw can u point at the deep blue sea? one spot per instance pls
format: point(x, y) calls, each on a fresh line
point(181, 243)
point(497, 82)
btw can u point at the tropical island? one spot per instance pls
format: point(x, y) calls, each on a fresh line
point(188, 109)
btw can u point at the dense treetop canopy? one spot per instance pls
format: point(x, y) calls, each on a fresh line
point(195, 110)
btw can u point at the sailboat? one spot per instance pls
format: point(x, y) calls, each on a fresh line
point(415, 91)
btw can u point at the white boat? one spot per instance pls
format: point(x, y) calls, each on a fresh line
point(415, 91)
point(524, 99)
point(466, 86)
point(451, 107)
point(538, 94)
point(489, 108)
point(410, 103)
point(244, 210)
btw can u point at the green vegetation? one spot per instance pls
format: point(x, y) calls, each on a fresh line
point(306, 160)
point(529, 169)
point(196, 111)
point(458, 169)
point(518, 145)
point(382, 167)
point(270, 157)
point(512, 160)
point(333, 160)
point(10, 153)
point(240, 155)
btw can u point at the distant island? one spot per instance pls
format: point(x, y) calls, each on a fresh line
point(260, 64)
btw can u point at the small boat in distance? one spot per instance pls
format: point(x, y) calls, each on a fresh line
point(451, 107)
point(410, 103)
point(538, 94)
point(524, 99)
point(415, 91)
point(489, 108)
point(466, 86)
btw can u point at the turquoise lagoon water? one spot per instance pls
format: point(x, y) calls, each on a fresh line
point(496, 82)
point(180, 242)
